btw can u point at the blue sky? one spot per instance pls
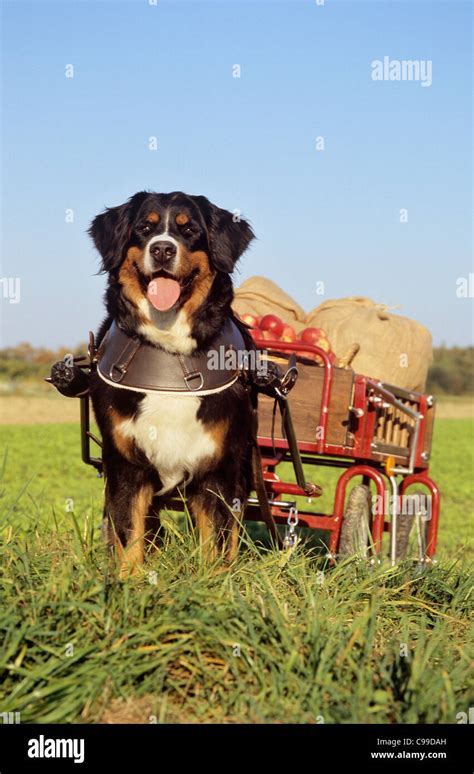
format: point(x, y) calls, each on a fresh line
point(247, 143)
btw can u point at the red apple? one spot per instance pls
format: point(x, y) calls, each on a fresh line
point(312, 335)
point(289, 334)
point(267, 335)
point(273, 324)
point(324, 344)
point(250, 319)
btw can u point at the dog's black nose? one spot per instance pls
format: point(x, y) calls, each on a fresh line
point(162, 252)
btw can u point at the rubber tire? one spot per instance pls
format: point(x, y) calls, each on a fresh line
point(404, 527)
point(354, 538)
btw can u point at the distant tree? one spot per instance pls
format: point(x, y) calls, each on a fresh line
point(24, 361)
point(452, 371)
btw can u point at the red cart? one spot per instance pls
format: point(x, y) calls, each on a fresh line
point(373, 431)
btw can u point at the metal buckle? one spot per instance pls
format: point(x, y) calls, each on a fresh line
point(194, 375)
point(91, 349)
point(289, 378)
point(121, 370)
point(291, 538)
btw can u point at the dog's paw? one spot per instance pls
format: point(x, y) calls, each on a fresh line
point(62, 375)
point(68, 379)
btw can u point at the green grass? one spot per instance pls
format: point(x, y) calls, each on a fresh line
point(316, 644)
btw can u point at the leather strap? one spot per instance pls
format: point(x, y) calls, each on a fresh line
point(129, 363)
point(259, 481)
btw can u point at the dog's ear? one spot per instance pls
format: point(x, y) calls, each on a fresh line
point(110, 230)
point(229, 235)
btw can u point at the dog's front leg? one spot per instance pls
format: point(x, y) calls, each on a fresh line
point(217, 511)
point(128, 496)
point(203, 512)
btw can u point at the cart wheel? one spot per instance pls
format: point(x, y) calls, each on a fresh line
point(404, 526)
point(354, 537)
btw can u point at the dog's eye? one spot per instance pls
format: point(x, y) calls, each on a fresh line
point(187, 231)
point(145, 228)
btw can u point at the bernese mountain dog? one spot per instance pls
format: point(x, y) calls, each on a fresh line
point(169, 258)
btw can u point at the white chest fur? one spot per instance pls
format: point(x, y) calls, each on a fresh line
point(174, 440)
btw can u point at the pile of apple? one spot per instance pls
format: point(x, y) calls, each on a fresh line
point(272, 328)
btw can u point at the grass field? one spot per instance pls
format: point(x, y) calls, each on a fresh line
point(278, 638)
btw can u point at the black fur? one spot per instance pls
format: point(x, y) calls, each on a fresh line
point(222, 238)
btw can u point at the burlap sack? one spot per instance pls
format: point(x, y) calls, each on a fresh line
point(391, 348)
point(259, 296)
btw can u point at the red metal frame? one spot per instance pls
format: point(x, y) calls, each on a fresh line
point(424, 480)
point(339, 501)
point(289, 347)
point(359, 458)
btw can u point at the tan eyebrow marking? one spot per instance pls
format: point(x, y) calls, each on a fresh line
point(153, 217)
point(182, 218)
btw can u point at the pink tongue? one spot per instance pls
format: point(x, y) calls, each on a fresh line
point(163, 293)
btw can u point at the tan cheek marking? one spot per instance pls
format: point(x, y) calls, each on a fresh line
point(153, 217)
point(128, 278)
point(202, 284)
point(182, 219)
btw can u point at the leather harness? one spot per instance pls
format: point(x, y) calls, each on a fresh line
point(127, 362)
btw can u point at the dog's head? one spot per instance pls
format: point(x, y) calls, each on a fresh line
point(164, 251)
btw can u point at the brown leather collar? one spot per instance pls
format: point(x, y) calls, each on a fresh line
point(128, 363)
